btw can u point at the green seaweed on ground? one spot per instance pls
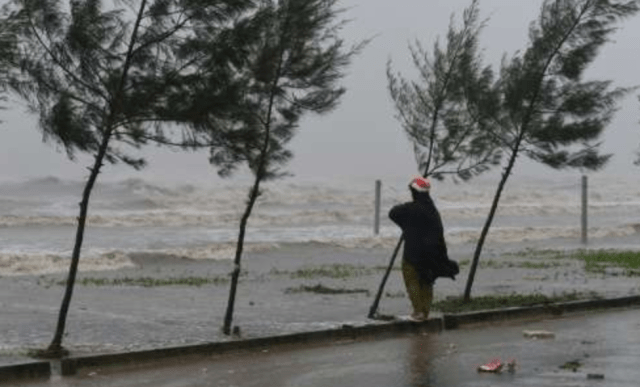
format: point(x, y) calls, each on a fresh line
point(321, 289)
point(336, 271)
point(571, 365)
point(538, 254)
point(149, 281)
point(538, 265)
point(457, 305)
point(494, 264)
point(15, 352)
point(596, 261)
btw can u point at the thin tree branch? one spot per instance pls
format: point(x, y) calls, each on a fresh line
point(55, 59)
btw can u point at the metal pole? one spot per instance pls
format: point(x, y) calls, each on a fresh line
point(584, 209)
point(376, 222)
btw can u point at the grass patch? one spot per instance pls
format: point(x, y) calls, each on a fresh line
point(321, 289)
point(597, 260)
point(150, 282)
point(16, 352)
point(533, 253)
point(492, 264)
point(383, 268)
point(335, 271)
point(456, 305)
point(538, 265)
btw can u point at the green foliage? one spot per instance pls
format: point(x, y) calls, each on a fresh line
point(98, 78)
point(7, 52)
point(446, 112)
point(95, 75)
point(548, 110)
point(292, 60)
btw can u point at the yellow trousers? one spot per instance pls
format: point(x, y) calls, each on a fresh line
point(420, 294)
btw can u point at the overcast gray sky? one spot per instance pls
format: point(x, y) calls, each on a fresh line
point(361, 138)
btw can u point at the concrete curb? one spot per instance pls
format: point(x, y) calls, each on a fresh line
point(30, 370)
point(71, 365)
point(454, 321)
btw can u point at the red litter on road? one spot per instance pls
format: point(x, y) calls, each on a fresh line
point(495, 366)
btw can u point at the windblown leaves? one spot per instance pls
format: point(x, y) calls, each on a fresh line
point(446, 112)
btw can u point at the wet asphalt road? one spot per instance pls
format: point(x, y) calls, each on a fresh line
point(605, 343)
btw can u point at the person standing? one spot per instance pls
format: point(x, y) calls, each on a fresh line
point(425, 255)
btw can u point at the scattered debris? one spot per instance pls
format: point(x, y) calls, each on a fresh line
point(539, 334)
point(494, 366)
point(571, 365)
point(321, 289)
point(595, 376)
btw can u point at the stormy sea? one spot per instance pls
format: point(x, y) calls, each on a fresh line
point(38, 217)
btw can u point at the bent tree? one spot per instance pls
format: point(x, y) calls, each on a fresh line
point(295, 60)
point(548, 112)
point(445, 112)
point(103, 81)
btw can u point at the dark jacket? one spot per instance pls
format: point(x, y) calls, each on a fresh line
point(424, 247)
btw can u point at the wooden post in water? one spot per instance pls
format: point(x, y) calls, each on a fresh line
point(584, 209)
point(376, 222)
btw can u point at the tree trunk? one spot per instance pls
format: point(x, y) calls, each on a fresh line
point(487, 224)
point(226, 329)
point(55, 348)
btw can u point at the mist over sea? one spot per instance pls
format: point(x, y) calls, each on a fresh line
point(38, 217)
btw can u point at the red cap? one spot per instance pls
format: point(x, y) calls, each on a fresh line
point(420, 184)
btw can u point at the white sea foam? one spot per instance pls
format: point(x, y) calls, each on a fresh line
point(12, 264)
point(219, 251)
point(37, 264)
point(38, 217)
